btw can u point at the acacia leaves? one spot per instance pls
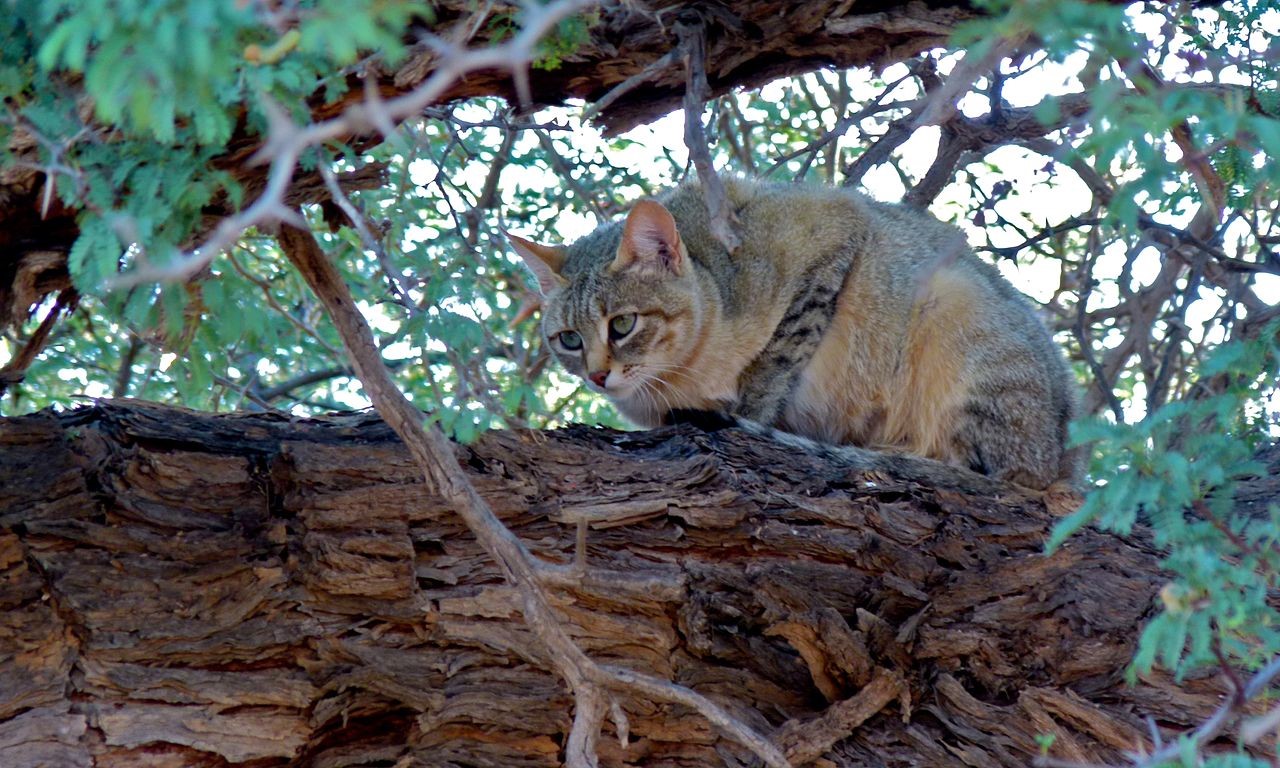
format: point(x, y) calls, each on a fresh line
point(1178, 471)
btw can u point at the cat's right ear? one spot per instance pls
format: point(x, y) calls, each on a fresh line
point(544, 261)
point(650, 241)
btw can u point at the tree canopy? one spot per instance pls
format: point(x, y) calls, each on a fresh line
point(1117, 161)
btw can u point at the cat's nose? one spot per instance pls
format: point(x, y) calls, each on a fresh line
point(598, 378)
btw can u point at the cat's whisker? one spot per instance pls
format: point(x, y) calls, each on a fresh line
point(646, 389)
point(678, 370)
point(647, 383)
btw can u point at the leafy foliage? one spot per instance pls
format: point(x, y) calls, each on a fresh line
point(1177, 471)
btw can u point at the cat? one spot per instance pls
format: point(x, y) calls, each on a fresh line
point(840, 319)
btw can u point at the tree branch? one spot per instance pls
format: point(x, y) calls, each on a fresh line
point(691, 31)
point(14, 370)
point(433, 453)
point(286, 142)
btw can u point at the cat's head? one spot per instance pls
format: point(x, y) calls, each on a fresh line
point(622, 307)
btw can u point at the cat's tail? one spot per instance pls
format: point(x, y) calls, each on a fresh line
point(899, 466)
point(1061, 497)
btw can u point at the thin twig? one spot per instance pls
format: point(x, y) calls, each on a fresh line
point(272, 302)
point(397, 280)
point(692, 34)
point(565, 172)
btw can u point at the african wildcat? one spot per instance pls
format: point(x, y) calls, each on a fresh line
point(840, 318)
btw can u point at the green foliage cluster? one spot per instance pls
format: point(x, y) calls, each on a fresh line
point(170, 84)
point(167, 83)
point(1177, 471)
point(1239, 126)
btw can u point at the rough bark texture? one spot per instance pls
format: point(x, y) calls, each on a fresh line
point(750, 42)
point(180, 589)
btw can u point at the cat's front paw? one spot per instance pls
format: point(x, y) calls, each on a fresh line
point(707, 421)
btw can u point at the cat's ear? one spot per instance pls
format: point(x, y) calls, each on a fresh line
point(544, 261)
point(650, 241)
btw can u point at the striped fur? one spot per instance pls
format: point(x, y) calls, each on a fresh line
point(840, 319)
point(771, 377)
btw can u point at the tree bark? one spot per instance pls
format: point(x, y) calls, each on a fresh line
point(181, 589)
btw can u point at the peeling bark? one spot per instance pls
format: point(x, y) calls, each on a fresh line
point(182, 589)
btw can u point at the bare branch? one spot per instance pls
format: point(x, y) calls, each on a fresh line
point(651, 71)
point(565, 172)
point(842, 126)
point(692, 33)
point(124, 376)
point(941, 104)
point(433, 453)
point(399, 282)
point(14, 370)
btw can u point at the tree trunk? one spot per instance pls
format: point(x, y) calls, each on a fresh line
point(181, 589)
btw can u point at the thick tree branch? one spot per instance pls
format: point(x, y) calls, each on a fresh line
point(322, 606)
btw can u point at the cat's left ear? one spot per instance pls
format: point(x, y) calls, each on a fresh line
point(544, 261)
point(650, 241)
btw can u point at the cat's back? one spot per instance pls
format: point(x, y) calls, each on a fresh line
point(931, 350)
point(797, 222)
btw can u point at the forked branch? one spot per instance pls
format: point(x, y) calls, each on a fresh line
point(286, 143)
point(591, 684)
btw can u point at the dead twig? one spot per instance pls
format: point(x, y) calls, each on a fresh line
point(692, 35)
point(806, 741)
point(395, 278)
point(434, 454)
point(286, 141)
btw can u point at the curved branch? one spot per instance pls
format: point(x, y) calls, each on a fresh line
point(433, 454)
point(13, 371)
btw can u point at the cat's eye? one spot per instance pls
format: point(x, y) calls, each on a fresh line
point(621, 325)
point(570, 340)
